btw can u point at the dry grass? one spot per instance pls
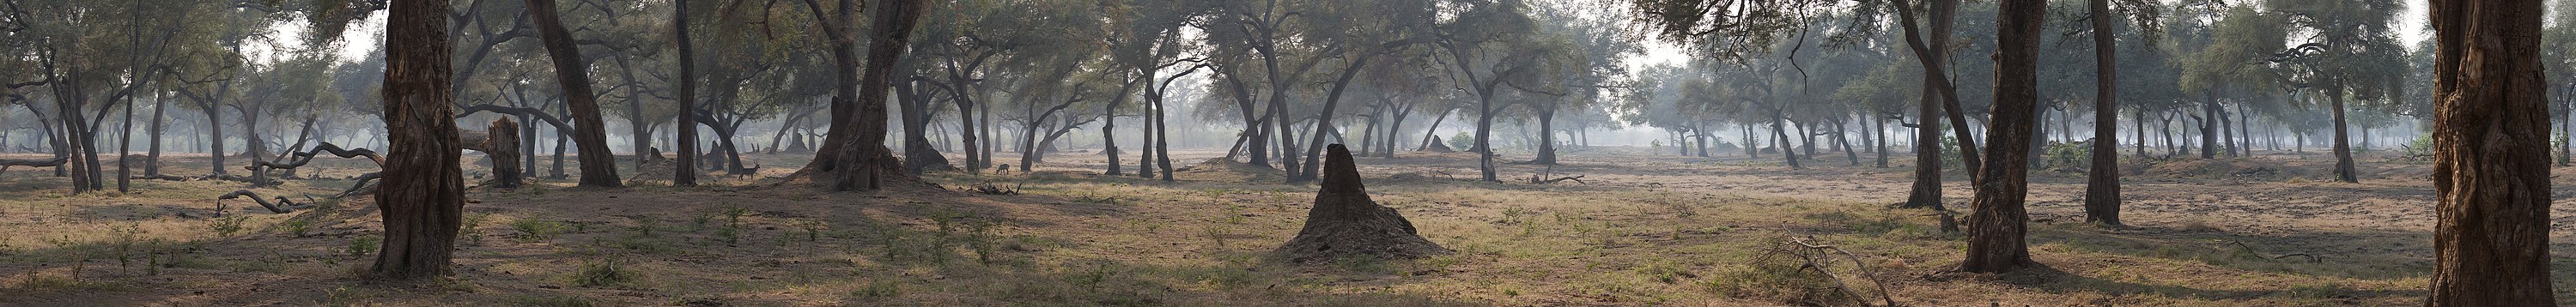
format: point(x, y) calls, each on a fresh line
point(1648, 231)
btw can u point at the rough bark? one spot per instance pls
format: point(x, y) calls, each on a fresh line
point(422, 197)
point(685, 170)
point(2491, 156)
point(598, 164)
point(865, 155)
point(1344, 223)
point(1996, 239)
point(502, 147)
point(2102, 180)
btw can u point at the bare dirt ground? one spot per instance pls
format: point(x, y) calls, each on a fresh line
point(1642, 227)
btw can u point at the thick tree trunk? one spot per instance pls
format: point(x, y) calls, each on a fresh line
point(685, 169)
point(2491, 156)
point(2102, 180)
point(1996, 239)
point(501, 146)
point(2209, 128)
point(2342, 143)
point(1546, 135)
point(598, 164)
point(863, 159)
point(422, 196)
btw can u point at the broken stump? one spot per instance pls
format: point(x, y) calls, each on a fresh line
point(1344, 222)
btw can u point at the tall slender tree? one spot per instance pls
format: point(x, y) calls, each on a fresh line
point(598, 164)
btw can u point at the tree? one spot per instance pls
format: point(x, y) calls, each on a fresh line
point(2491, 156)
point(422, 196)
point(685, 170)
point(2102, 180)
point(598, 165)
point(1996, 240)
point(2352, 55)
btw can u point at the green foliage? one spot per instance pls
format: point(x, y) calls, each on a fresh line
point(1462, 141)
point(363, 245)
point(2069, 155)
point(533, 230)
point(227, 226)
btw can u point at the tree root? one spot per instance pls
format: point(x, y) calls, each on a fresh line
point(365, 182)
point(282, 206)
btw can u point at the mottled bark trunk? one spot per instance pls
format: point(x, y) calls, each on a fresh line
point(422, 196)
point(2491, 156)
point(1996, 240)
point(502, 148)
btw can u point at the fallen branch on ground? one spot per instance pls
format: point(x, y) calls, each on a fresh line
point(1819, 258)
point(2249, 249)
point(282, 206)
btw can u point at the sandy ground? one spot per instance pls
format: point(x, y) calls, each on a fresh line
point(1641, 227)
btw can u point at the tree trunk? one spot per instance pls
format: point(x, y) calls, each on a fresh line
point(2491, 156)
point(2342, 144)
point(1996, 241)
point(215, 133)
point(685, 169)
point(152, 161)
point(2209, 128)
point(502, 147)
point(1546, 135)
point(2102, 180)
point(1926, 192)
point(422, 196)
point(598, 164)
point(863, 158)
point(1162, 141)
point(1780, 128)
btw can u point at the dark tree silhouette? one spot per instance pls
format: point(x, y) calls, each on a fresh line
point(685, 170)
point(2490, 156)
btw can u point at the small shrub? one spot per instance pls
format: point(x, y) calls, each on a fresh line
point(534, 229)
point(298, 227)
point(362, 246)
point(472, 228)
point(878, 290)
point(601, 273)
point(227, 226)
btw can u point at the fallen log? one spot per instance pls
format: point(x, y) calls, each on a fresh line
point(364, 181)
point(282, 206)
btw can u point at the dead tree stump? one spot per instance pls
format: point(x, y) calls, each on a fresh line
point(1344, 222)
point(501, 146)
